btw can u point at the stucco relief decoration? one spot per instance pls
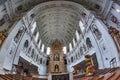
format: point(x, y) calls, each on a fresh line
point(96, 32)
point(116, 37)
point(19, 34)
point(114, 19)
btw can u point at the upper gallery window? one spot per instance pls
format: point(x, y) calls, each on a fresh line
point(81, 26)
point(88, 42)
point(33, 27)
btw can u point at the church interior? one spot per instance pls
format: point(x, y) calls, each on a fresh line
point(59, 39)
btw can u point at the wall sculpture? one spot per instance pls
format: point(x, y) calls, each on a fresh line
point(116, 37)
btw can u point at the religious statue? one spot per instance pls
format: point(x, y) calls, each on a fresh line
point(97, 33)
point(56, 68)
point(56, 57)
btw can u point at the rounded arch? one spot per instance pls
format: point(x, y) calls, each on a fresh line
point(88, 42)
point(72, 59)
point(26, 43)
point(25, 46)
point(81, 50)
point(32, 54)
point(40, 60)
point(56, 68)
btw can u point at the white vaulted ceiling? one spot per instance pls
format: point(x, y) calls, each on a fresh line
point(57, 23)
point(58, 20)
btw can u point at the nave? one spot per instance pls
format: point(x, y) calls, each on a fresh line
point(59, 40)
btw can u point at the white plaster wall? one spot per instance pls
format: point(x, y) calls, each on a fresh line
point(96, 48)
point(42, 69)
point(111, 50)
point(6, 59)
point(7, 45)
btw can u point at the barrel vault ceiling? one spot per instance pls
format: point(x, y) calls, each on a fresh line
point(57, 21)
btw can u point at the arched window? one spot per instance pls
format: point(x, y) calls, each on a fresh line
point(48, 50)
point(76, 56)
point(81, 50)
point(64, 49)
point(71, 59)
point(19, 8)
point(77, 35)
point(40, 60)
point(32, 55)
point(37, 58)
point(44, 62)
point(37, 37)
point(32, 16)
point(70, 47)
point(82, 28)
point(26, 45)
point(88, 42)
point(42, 49)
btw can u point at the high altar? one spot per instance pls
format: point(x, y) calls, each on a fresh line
point(56, 62)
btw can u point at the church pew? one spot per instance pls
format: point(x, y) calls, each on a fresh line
point(109, 74)
point(1, 78)
point(15, 77)
point(116, 76)
point(5, 77)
